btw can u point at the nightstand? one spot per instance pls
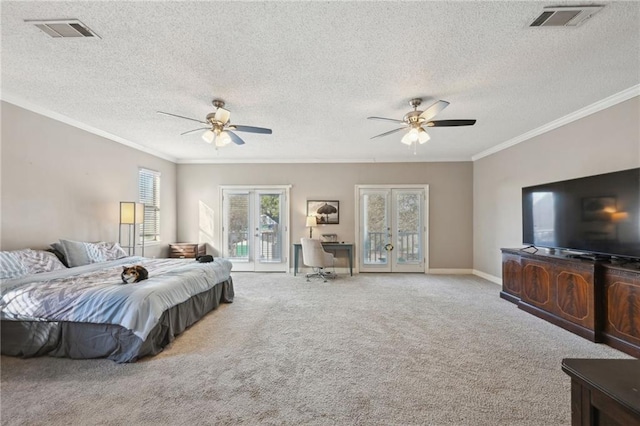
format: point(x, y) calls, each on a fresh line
point(186, 250)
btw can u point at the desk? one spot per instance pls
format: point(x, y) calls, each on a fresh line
point(604, 391)
point(327, 246)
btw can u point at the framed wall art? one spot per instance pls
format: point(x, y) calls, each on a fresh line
point(326, 212)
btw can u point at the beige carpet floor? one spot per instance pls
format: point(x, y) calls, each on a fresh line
point(365, 350)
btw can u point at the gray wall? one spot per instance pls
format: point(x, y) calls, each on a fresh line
point(59, 181)
point(603, 142)
point(450, 198)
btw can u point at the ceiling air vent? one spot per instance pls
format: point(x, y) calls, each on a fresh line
point(64, 28)
point(564, 16)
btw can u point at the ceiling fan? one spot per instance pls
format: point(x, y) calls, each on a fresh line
point(416, 119)
point(219, 130)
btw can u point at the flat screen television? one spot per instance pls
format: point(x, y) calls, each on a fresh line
point(595, 215)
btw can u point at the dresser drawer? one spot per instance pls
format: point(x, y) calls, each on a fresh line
point(186, 250)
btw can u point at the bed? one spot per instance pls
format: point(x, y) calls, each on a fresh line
point(87, 312)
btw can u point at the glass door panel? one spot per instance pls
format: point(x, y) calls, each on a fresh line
point(375, 230)
point(237, 226)
point(407, 228)
point(269, 233)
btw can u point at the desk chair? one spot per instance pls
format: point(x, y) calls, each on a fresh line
point(313, 255)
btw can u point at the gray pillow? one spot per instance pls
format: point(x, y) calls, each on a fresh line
point(75, 252)
point(78, 253)
point(57, 249)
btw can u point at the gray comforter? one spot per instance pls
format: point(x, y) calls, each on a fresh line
point(95, 293)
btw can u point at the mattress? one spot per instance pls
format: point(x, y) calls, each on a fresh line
point(87, 312)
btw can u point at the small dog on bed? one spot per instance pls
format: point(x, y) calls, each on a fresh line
point(134, 274)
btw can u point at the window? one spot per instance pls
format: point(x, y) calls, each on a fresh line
point(149, 190)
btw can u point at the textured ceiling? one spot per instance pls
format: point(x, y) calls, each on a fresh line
point(313, 72)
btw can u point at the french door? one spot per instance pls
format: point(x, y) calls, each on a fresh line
point(255, 228)
point(392, 228)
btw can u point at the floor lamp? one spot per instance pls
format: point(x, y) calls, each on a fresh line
point(131, 214)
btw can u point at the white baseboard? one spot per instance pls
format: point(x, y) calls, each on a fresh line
point(488, 277)
point(445, 271)
point(435, 271)
point(338, 271)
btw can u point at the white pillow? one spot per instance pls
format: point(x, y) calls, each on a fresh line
point(18, 263)
point(102, 251)
point(11, 265)
point(37, 261)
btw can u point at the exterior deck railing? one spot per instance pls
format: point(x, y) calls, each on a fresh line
point(406, 247)
point(269, 244)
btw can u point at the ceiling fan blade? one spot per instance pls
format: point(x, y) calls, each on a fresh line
point(251, 129)
point(433, 110)
point(235, 138)
point(180, 116)
point(222, 115)
point(385, 119)
point(194, 130)
point(388, 133)
point(450, 123)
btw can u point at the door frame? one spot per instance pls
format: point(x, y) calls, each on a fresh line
point(286, 237)
point(425, 218)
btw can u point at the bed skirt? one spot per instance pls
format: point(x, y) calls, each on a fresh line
point(87, 340)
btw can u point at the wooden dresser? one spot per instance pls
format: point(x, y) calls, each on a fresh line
point(186, 250)
point(593, 299)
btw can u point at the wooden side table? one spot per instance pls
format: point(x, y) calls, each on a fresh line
point(604, 392)
point(186, 250)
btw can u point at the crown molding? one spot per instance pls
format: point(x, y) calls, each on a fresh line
point(75, 123)
point(318, 161)
point(581, 113)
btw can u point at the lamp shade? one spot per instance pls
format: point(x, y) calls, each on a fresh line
point(209, 136)
point(423, 136)
point(223, 140)
point(131, 212)
point(410, 137)
point(311, 221)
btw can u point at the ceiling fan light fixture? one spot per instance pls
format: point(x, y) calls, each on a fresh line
point(423, 137)
point(407, 139)
point(223, 140)
point(412, 136)
point(209, 136)
point(414, 120)
point(215, 125)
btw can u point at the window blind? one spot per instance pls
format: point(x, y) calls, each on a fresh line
point(149, 190)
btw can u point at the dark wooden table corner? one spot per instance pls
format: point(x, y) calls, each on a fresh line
point(604, 391)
